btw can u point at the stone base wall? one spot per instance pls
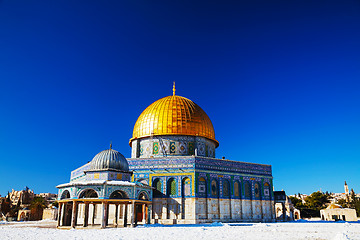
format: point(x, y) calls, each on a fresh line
point(173, 208)
point(50, 213)
point(202, 210)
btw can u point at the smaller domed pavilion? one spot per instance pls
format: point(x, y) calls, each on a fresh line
point(100, 194)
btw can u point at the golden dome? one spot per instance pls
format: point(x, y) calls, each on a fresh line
point(174, 115)
point(333, 206)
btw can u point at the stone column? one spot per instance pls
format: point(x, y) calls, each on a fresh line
point(144, 211)
point(164, 208)
point(86, 217)
point(63, 212)
point(241, 208)
point(125, 215)
point(251, 208)
point(93, 214)
point(283, 211)
point(116, 214)
point(230, 207)
point(149, 214)
point(103, 213)
point(106, 214)
point(132, 210)
point(59, 214)
point(74, 214)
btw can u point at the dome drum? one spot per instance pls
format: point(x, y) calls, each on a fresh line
point(160, 146)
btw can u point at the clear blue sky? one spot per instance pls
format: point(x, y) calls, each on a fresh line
point(279, 80)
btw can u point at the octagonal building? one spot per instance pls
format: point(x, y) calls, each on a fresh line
point(173, 150)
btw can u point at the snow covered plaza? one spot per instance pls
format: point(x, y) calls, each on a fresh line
point(291, 230)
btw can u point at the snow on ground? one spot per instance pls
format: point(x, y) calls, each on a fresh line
point(293, 230)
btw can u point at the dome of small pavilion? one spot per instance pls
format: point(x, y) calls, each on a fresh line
point(109, 159)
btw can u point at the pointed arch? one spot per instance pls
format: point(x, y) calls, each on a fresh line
point(257, 191)
point(247, 187)
point(118, 194)
point(88, 193)
point(214, 188)
point(65, 194)
point(171, 188)
point(157, 184)
point(237, 189)
point(226, 188)
point(185, 187)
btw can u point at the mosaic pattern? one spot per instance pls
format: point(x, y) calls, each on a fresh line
point(191, 148)
point(173, 145)
point(202, 187)
point(155, 148)
point(238, 174)
point(78, 174)
point(104, 191)
point(199, 163)
point(128, 190)
point(108, 175)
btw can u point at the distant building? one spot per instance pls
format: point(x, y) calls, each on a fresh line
point(335, 212)
point(22, 198)
point(24, 214)
point(284, 209)
point(49, 197)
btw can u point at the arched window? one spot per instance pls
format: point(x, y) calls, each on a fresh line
point(226, 188)
point(171, 187)
point(118, 194)
point(247, 190)
point(185, 187)
point(88, 193)
point(214, 188)
point(65, 194)
point(237, 191)
point(158, 188)
point(257, 191)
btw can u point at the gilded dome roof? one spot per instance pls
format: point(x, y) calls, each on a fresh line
point(334, 206)
point(109, 159)
point(174, 115)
